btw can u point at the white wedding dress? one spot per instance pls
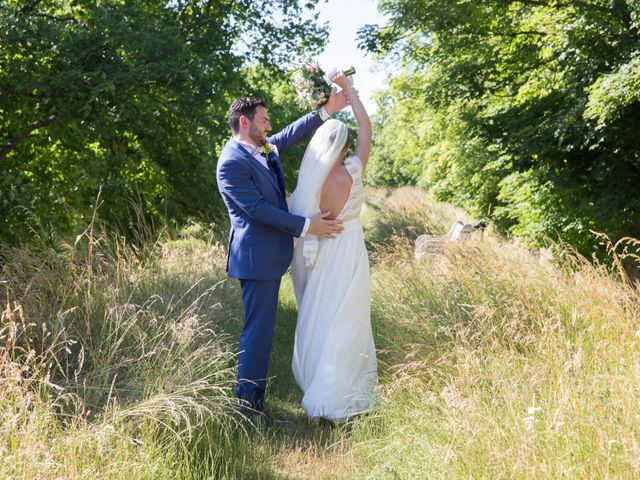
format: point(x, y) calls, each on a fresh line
point(334, 359)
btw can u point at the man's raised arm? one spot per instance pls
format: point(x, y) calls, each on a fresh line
point(296, 131)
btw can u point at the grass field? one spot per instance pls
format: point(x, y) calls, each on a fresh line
point(495, 362)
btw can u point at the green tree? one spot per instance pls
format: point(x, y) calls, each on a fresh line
point(129, 97)
point(526, 110)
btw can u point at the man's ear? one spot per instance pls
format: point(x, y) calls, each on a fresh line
point(244, 122)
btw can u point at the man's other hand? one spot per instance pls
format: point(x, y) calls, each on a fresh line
point(337, 101)
point(323, 227)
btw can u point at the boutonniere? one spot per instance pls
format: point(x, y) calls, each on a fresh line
point(268, 149)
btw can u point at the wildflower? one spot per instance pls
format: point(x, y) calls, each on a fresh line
point(530, 419)
point(533, 409)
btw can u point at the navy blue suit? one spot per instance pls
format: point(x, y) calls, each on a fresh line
point(260, 247)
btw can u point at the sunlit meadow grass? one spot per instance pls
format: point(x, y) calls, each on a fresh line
point(499, 364)
point(495, 362)
point(111, 364)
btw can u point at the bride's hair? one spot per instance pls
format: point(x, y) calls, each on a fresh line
point(347, 144)
point(347, 141)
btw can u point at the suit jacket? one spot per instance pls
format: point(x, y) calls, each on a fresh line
point(262, 229)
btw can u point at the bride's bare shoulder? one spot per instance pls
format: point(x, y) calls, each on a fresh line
point(338, 177)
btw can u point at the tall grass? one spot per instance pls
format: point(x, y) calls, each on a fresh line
point(503, 365)
point(111, 363)
point(495, 362)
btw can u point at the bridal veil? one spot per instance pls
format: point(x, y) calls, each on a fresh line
point(318, 160)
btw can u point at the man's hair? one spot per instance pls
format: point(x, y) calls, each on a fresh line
point(243, 106)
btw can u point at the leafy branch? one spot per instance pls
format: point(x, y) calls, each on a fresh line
point(7, 147)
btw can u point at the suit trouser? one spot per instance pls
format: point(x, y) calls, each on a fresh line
point(260, 299)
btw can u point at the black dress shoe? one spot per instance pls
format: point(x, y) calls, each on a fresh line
point(262, 417)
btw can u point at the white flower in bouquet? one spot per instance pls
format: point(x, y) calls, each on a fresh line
point(313, 84)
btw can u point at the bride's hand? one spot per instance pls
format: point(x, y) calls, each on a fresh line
point(340, 79)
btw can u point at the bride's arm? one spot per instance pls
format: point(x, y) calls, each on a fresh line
point(363, 142)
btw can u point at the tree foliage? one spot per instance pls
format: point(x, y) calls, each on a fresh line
point(130, 98)
point(525, 110)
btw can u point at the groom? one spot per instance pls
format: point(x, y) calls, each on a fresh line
point(252, 185)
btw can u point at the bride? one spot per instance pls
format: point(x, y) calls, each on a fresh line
point(334, 359)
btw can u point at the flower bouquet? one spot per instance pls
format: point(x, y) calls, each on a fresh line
point(314, 85)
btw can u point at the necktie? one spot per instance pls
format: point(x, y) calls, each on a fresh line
point(272, 165)
point(275, 171)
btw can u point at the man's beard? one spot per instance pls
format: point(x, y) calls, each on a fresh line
point(256, 136)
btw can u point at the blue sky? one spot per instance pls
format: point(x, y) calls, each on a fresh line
point(345, 18)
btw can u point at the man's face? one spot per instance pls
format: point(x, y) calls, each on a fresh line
point(260, 126)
